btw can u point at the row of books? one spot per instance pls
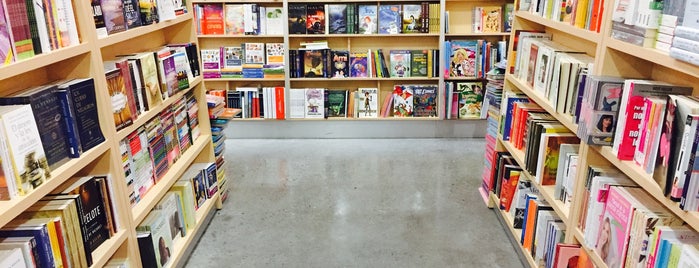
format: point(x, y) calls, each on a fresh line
point(149, 151)
point(218, 136)
point(141, 81)
point(343, 64)
point(581, 14)
point(34, 144)
point(642, 23)
point(464, 100)
point(174, 217)
point(492, 19)
point(354, 18)
point(64, 228)
point(250, 60)
point(472, 59)
point(114, 16)
point(265, 102)
point(32, 28)
point(238, 19)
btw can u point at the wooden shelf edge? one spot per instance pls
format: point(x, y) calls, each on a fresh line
point(234, 1)
point(150, 114)
point(587, 35)
point(157, 191)
point(237, 36)
point(42, 60)
point(143, 30)
point(11, 209)
point(181, 245)
point(564, 119)
point(599, 263)
point(516, 235)
point(244, 79)
point(654, 56)
point(104, 252)
point(646, 181)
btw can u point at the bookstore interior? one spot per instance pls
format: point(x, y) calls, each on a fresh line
point(588, 107)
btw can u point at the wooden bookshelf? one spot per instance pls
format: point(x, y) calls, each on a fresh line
point(506, 219)
point(542, 101)
point(452, 35)
point(42, 60)
point(104, 252)
point(180, 246)
point(244, 80)
point(560, 26)
point(596, 259)
point(214, 36)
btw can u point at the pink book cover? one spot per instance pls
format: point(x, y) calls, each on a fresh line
point(643, 133)
point(653, 139)
point(5, 41)
point(634, 110)
point(566, 255)
point(614, 228)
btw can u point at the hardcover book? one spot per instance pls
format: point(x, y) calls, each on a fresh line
point(315, 19)
point(390, 21)
point(132, 14)
point(418, 63)
point(274, 21)
point(91, 210)
point(367, 103)
point(358, 65)
point(402, 101)
point(425, 100)
point(297, 18)
point(400, 63)
point(113, 11)
point(337, 18)
point(470, 99)
point(336, 103)
point(149, 75)
point(314, 103)
point(234, 24)
point(117, 92)
point(40, 232)
point(411, 18)
point(157, 224)
point(149, 11)
point(254, 53)
point(340, 64)
point(314, 62)
point(367, 18)
point(462, 62)
point(82, 125)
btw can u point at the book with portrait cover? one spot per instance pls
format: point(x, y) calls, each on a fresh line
point(367, 22)
point(367, 102)
point(337, 18)
point(390, 21)
point(315, 19)
point(411, 18)
point(549, 150)
point(157, 224)
point(113, 11)
point(403, 101)
point(462, 58)
point(614, 227)
point(170, 208)
point(336, 103)
point(358, 65)
point(340, 63)
point(297, 18)
point(425, 100)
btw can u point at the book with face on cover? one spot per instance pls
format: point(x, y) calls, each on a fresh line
point(367, 106)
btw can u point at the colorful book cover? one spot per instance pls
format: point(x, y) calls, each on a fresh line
point(212, 22)
point(549, 153)
point(92, 210)
point(358, 65)
point(367, 18)
point(315, 19)
point(234, 19)
point(492, 19)
point(336, 103)
point(390, 21)
point(117, 93)
point(613, 230)
point(470, 99)
point(313, 62)
point(149, 11)
point(275, 53)
point(418, 63)
point(149, 74)
point(337, 18)
point(254, 53)
point(211, 63)
point(132, 14)
point(5, 43)
point(508, 16)
point(425, 100)
point(340, 64)
point(462, 62)
point(368, 102)
point(297, 18)
point(403, 101)
point(510, 180)
point(157, 224)
point(315, 101)
point(169, 76)
point(411, 18)
point(399, 63)
point(18, 22)
point(232, 60)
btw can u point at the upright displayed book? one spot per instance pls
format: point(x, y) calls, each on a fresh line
point(390, 21)
point(314, 107)
point(367, 18)
point(367, 103)
point(403, 101)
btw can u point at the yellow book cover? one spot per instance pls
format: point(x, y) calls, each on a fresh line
point(581, 13)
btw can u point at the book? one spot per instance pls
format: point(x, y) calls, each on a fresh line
point(25, 245)
point(274, 53)
point(340, 64)
point(314, 62)
point(491, 19)
point(411, 18)
point(297, 18)
point(113, 12)
point(337, 18)
point(149, 12)
point(315, 100)
point(117, 92)
point(81, 125)
point(462, 58)
point(470, 99)
point(419, 63)
point(425, 101)
point(315, 19)
point(233, 19)
point(549, 150)
point(367, 103)
point(157, 225)
point(390, 21)
point(40, 232)
point(403, 101)
point(399, 63)
point(367, 22)
point(335, 103)
point(358, 65)
point(274, 20)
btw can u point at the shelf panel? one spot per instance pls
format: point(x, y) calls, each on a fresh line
point(475, 34)
point(42, 60)
point(599, 263)
point(157, 191)
point(361, 35)
point(239, 36)
point(542, 101)
point(560, 26)
point(546, 191)
point(654, 56)
point(245, 79)
point(646, 181)
point(148, 115)
point(10, 209)
point(143, 30)
point(104, 252)
point(179, 247)
point(367, 79)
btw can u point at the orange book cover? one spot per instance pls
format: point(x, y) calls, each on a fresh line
point(595, 15)
point(584, 259)
point(279, 98)
point(513, 125)
point(530, 225)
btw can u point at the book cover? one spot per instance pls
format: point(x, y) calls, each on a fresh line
point(149, 11)
point(614, 225)
point(358, 65)
point(274, 21)
point(492, 19)
point(212, 19)
point(367, 15)
point(510, 180)
point(403, 101)
point(117, 93)
point(425, 100)
point(419, 63)
point(275, 53)
point(399, 63)
point(519, 202)
point(254, 53)
point(367, 102)
point(340, 64)
point(40, 233)
point(566, 255)
point(549, 152)
point(113, 11)
point(470, 99)
point(166, 10)
point(314, 62)
point(84, 122)
point(336, 103)
point(17, 20)
point(91, 209)
point(390, 21)
point(315, 19)
point(411, 18)
point(149, 76)
point(157, 224)
point(234, 19)
point(6, 56)
point(169, 85)
point(132, 14)
point(462, 61)
point(297, 18)
point(170, 209)
point(337, 18)
point(508, 16)
point(315, 101)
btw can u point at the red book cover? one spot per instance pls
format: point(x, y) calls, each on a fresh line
point(212, 22)
point(509, 186)
point(279, 105)
point(595, 15)
point(123, 65)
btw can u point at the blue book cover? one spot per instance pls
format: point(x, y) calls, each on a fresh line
point(337, 14)
point(508, 118)
point(462, 60)
point(43, 242)
point(389, 19)
point(367, 19)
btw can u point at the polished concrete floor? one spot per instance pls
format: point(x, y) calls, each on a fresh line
point(354, 203)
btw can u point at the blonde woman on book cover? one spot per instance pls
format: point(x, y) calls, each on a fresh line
point(605, 244)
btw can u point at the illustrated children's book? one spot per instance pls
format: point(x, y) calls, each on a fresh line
point(358, 65)
point(315, 101)
point(470, 99)
point(389, 19)
point(367, 104)
point(402, 101)
point(340, 64)
point(400, 63)
point(411, 18)
point(315, 19)
point(463, 58)
point(337, 15)
point(367, 19)
point(425, 101)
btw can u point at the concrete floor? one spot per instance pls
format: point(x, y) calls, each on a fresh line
point(354, 203)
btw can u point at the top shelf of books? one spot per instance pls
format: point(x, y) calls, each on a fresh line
point(653, 55)
point(560, 26)
point(143, 30)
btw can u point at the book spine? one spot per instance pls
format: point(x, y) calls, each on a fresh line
point(69, 124)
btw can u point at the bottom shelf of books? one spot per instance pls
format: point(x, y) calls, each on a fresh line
point(180, 245)
point(507, 219)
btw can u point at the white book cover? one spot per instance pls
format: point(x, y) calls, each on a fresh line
point(297, 103)
point(41, 26)
point(234, 24)
point(166, 10)
point(689, 256)
point(254, 53)
point(171, 211)
point(274, 21)
point(66, 23)
point(12, 258)
point(521, 58)
point(368, 102)
point(24, 244)
point(314, 103)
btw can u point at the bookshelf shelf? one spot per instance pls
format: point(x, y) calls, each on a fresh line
point(143, 30)
point(105, 251)
point(362, 35)
point(451, 35)
point(148, 115)
point(244, 79)
point(42, 60)
point(179, 247)
point(646, 181)
point(12, 208)
point(366, 79)
point(142, 208)
point(564, 119)
point(653, 56)
point(560, 26)
point(599, 263)
point(238, 36)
